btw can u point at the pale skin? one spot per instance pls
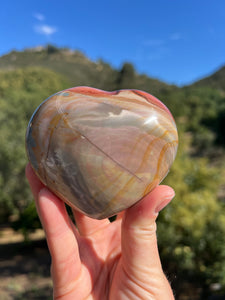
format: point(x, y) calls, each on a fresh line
point(101, 260)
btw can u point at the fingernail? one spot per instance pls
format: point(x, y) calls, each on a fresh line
point(42, 191)
point(164, 203)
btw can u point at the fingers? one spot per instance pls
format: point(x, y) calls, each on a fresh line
point(35, 184)
point(59, 232)
point(58, 227)
point(88, 226)
point(139, 242)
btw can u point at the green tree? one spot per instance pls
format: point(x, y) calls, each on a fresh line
point(192, 229)
point(126, 77)
point(21, 91)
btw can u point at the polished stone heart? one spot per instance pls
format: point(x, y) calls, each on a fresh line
point(100, 151)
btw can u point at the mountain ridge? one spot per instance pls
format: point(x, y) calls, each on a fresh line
point(78, 68)
point(215, 80)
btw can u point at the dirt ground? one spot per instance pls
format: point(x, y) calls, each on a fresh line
point(24, 268)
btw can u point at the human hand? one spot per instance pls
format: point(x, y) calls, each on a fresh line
point(102, 260)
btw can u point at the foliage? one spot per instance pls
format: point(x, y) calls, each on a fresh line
point(215, 81)
point(79, 70)
point(192, 229)
point(126, 77)
point(28, 221)
point(21, 92)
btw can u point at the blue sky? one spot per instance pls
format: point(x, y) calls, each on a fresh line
point(176, 41)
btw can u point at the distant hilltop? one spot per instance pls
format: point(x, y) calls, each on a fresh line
point(79, 69)
point(51, 49)
point(35, 49)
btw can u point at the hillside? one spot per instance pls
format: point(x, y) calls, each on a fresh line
point(187, 103)
point(79, 70)
point(215, 81)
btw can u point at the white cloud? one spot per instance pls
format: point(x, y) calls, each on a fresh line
point(39, 17)
point(45, 29)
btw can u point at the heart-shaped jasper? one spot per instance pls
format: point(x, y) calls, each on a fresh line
point(99, 151)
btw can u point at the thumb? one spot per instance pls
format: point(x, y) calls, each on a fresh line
point(139, 241)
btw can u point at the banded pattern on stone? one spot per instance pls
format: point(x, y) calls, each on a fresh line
point(100, 151)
